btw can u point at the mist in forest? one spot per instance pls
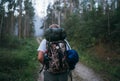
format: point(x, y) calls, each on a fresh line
point(37, 25)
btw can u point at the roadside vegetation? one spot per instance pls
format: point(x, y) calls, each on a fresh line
point(18, 61)
point(18, 50)
point(97, 46)
point(108, 68)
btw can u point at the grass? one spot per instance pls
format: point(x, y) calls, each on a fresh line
point(109, 71)
point(19, 64)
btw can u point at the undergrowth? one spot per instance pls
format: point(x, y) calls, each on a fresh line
point(109, 71)
point(19, 64)
point(108, 68)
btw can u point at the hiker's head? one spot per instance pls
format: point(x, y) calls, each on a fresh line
point(54, 26)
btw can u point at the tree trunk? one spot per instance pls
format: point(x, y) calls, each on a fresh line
point(65, 11)
point(12, 24)
point(59, 18)
point(71, 5)
point(1, 27)
point(19, 27)
point(108, 14)
point(19, 21)
point(25, 27)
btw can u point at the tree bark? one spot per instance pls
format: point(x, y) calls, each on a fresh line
point(59, 18)
point(1, 26)
point(19, 20)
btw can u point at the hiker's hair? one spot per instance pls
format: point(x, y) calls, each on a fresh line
point(54, 26)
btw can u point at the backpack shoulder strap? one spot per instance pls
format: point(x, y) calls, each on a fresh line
point(67, 45)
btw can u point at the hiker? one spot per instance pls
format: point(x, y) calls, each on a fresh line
point(52, 54)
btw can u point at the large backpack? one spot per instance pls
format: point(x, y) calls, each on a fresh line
point(56, 58)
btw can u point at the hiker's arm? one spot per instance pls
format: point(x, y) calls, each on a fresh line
point(40, 56)
point(41, 50)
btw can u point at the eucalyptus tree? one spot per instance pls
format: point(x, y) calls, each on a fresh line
point(92, 21)
point(50, 16)
point(29, 16)
point(57, 11)
point(2, 12)
point(61, 9)
point(25, 18)
point(54, 13)
point(16, 19)
point(6, 27)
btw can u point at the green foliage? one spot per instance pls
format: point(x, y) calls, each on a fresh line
point(93, 27)
point(79, 30)
point(115, 26)
point(90, 29)
point(72, 25)
point(19, 64)
point(29, 9)
point(11, 42)
point(109, 70)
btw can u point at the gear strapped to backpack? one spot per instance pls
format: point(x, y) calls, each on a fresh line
point(55, 34)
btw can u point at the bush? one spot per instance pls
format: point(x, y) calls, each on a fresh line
point(10, 41)
point(19, 64)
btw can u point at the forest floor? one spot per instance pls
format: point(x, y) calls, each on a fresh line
point(80, 73)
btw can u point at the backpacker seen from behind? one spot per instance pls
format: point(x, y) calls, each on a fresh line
point(59, 56)
point(56, 55)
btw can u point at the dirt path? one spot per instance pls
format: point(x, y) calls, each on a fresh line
point(80, 73)
point(83, 73)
